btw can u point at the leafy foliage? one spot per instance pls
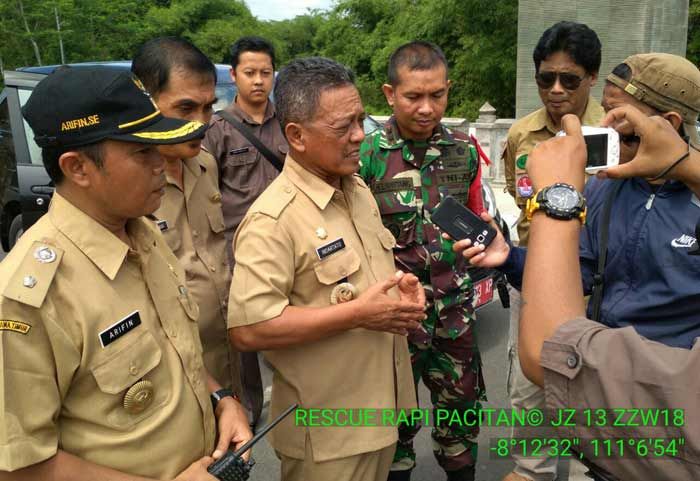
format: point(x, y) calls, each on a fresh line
point(479, 37)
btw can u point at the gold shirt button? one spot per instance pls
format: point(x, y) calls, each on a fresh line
point(133, 369)
point(195, 233)
point(216, 197)
point(287, 189)
point(212, 268)
point(138, 397)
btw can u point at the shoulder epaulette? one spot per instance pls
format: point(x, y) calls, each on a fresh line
point(276, 200)
point(30, 282)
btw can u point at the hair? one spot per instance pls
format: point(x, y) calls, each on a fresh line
point(50, 156)
point(300, 83)
point(416, 55)
point(575, 39)
point(157, 58)
point(250, 44)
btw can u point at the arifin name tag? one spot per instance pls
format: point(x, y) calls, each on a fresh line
point(162, 225)
point(331, 248)
point(119, 328)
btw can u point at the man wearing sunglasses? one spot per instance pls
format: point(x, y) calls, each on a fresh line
point(567, 59)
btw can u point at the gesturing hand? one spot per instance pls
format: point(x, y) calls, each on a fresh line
point(380, 312)
point(410, 288)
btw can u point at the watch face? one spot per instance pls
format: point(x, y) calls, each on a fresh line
point(562, 198)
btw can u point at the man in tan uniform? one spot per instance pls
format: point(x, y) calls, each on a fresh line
point(102, 374)
point(314, 285)
point(181, 80)
point(245, 170)
point(583, 364)
point(567, 58)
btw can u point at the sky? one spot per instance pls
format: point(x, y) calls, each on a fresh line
point(284, 9)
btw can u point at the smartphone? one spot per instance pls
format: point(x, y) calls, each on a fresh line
point(461, 223)
point(603, 145)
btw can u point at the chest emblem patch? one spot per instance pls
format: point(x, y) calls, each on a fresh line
point(524, 187)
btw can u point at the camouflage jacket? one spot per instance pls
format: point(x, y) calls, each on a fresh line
point(408, 180)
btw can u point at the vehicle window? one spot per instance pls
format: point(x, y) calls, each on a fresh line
point(34, 150)
point(225, 93)
point(7, 148)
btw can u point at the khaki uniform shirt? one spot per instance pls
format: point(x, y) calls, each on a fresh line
point(523, 136)
point(193, 226)
point(87, 326)
point(587, 365)
point(278, 264)
point(244, 172)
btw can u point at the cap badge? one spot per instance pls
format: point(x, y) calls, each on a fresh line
point(138, 397)
point(45, 255)
point(343, 292)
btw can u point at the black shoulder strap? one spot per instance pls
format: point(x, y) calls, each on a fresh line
point(248, 134)
point(598, 280)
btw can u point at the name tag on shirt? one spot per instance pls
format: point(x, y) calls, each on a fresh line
point(120, 328)
point(242, 150)
point(331, 248)
point(162, 225)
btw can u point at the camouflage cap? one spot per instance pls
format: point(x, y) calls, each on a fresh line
point(666, 82)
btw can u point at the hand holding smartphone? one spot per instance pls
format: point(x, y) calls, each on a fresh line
point(461, 223)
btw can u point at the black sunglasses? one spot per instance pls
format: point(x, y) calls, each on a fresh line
point(546, 80)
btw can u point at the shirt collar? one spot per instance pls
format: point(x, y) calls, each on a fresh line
point(542, 120)
point(318, 190)
point(238, 112)
point(390, 139)
point(100, 245)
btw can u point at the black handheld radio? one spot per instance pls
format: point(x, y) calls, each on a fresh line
point(232, 467)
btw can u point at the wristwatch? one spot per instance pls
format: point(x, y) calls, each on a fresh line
point(559, 201)
point(219, 395)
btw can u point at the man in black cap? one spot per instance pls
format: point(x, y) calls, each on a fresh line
point(102, 372)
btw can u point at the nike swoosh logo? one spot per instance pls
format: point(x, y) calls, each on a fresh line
point(684, 242)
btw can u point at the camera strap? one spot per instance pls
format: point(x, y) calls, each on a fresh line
point(598, 279)
point(251, 137)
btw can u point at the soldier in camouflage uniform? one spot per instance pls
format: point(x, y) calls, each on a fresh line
point(410, 165)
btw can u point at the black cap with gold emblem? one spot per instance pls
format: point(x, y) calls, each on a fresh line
point(78, 106)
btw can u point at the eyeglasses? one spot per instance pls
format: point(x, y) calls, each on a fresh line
point(546, 80)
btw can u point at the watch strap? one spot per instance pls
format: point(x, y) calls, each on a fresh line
point(217, 396)
point(539, 202)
